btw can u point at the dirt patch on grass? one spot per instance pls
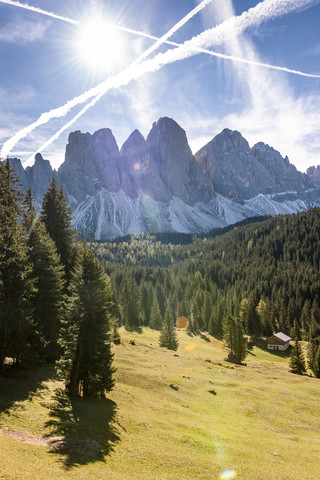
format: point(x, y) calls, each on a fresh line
point(89, 448)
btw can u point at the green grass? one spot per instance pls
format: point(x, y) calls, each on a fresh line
point(259, 419)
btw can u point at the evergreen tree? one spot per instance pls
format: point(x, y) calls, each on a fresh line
point(86, 362)
point(206, 310)
point(237, 343)
point(47, 273)
point(129, 303)
point(156, 320)
point(56, 215)
point(15, 280)
point(168, 336)
point(297, 361)
point(314, 356)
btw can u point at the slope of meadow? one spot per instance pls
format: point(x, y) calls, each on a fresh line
point(172, 415)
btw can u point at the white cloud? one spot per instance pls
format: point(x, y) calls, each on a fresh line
point(267, 107)
point(22, 31)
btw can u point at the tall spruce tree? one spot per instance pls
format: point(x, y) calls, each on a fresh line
point(56, 215)
point(237, 343)
point(15, 280)
point(168, 335)
point(47, 273)
point(297, 362)
point(156, 319)
point(86, 361)
point(314, 356)
point(129, 301)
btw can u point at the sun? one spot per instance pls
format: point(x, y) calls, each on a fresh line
point(100, 46)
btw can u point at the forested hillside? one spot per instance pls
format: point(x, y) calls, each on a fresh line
point(267, 273)
point(55, 300)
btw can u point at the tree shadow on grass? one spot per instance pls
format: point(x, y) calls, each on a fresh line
point(18, 384)
point(86, 429)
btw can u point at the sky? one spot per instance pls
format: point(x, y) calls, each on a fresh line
point(98, 47)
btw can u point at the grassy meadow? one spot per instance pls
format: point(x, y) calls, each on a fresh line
point(172, 415)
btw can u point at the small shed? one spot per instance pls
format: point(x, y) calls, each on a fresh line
point(278, 341)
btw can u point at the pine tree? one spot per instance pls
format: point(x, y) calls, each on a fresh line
point(129, 303)
point(168, 336)
point(56, 215)
point(47, 273)
point(297, 361)
point(314, 356)
point(15, 281)
point(156, 320)
point(237, 343)
point(86, 362)
point(206, 310)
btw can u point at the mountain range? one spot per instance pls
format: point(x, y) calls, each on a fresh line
point(156, 184)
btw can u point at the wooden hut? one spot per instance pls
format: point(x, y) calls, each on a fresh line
point(278, 341)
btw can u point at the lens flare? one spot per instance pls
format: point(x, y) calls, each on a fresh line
point(190, 347)
point(227, 475)
point(182, 322)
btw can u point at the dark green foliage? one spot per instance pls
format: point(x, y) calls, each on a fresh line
point(16, 286)
point(266, 272)
point(207, 310)
point(168, 336)
point(129, 303)
point(237, 343)
point(156, 319)
point(314, 356)
point(56, 215)
point(297, 362)
point(86, 362)
point(47, 274)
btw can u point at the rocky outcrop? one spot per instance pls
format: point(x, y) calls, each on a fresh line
point(240, 172)
point(172, 158)
point(91, 163)
point(39, 176)
point(157, 184)
point(314, 174)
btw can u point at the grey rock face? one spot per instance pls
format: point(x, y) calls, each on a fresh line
point(171, 157)
point(39, 176)
point(91, 163)
point(314, 174)
point(239, 172)
point(156, 184)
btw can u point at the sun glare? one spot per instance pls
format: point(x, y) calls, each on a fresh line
point(100, 46)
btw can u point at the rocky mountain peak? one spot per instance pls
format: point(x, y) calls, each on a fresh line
point(172, 158)
point(104, 140)
point(231, 140)
point(157, 184)
point(167, 131)
point(135, 144)
point(314, 174)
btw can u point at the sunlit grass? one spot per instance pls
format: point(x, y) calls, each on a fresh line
point(172, 415)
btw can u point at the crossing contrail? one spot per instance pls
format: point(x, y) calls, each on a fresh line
point(25, 6)
point(44, 118)
point(200, 50)
point(31, 8)
point(145, 54)
point(262, 12)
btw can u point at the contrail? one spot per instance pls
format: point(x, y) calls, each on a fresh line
point(200, 50)
point(262, 12)
point(145, 54)
point(39, 10)
point(61, 111)
point(25, 6)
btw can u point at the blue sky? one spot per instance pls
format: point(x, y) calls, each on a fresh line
point(45, 63)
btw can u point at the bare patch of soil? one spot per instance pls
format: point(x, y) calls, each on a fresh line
point(83, 447)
